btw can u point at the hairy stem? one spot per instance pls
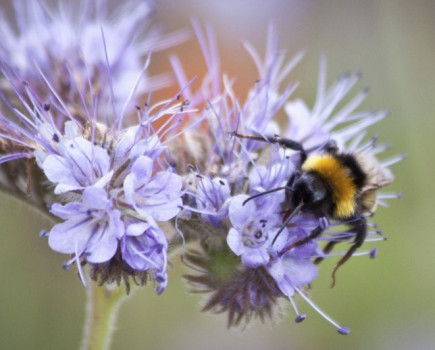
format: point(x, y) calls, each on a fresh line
point(101, 311)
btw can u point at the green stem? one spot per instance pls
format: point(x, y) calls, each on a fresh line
point(101, 311)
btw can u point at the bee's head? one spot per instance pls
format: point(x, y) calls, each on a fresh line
point(310, 189)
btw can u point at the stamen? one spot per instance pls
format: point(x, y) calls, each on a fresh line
point(371, 252)
point(391, 161)
point(196, 210)
point(79, 267)
point(43, 233)
point(68, 264)
point(390, 195)
point(340, 329)
point(300, 317)
point(183, 251)
point(144, 257)
point(344, 330)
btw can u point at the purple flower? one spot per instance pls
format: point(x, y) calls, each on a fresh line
point(157, 197)
point(92, 227)
point(324, 122)
point(262, 179)
point(136, 141)
point(268, 95)
point(211, 197)
point(80, 164)
point(294, 268)
point(253, 232)
point(144, 248)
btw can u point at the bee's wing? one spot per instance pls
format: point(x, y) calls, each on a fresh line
point(377, 175)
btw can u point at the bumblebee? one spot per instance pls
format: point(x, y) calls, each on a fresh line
point(335, 185)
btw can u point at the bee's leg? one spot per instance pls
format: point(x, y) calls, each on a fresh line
point(326, 250)
point(360, 228)
point(287, 143)
point(291, 144)
point(323, 224)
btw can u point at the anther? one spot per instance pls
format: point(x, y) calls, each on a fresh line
point(343, 330)
point(300, 318)
point(43, 233)
point(374, 253)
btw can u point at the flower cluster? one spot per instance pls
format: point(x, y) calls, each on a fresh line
point(254, 197)
point(66, 145)
point(257, 206)
point(110, 186)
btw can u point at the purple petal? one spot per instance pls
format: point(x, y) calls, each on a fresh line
point(240, 214)
point(58, 170)
point(64, 211)
point(235, 242)
point(254, 258)
point(299, 271)
point(117, 227)
point(137, 229)
point(166, 210)
point(70, 236)
point(142, 168)
point(101, 249)
point(95, 198)
point(104, 242)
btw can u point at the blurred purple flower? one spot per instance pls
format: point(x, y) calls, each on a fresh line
point(47, 36)
point(314, 128)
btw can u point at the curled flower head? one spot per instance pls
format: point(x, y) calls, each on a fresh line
point(241, 292)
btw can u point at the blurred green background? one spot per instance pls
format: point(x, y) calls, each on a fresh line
point(389, 302)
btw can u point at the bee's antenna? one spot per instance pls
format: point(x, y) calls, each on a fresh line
point(267, 192)
point(291, 216)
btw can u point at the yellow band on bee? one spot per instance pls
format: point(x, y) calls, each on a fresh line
point(340, 180)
